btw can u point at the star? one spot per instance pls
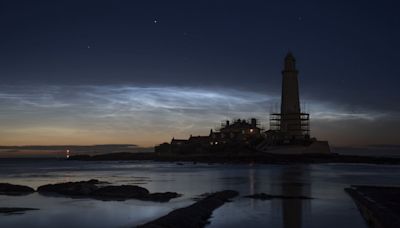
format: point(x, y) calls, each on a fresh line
point(155, 21)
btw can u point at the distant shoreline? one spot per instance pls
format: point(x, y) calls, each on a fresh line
point(256, 158)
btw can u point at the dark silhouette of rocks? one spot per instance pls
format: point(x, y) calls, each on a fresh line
point(161, 196)
point(380, 206)
point(80, 188)
point(264, 196)
point(195, 215)
point(15, 190)
point(15, 210)
point(90, 189)
point(121, 192)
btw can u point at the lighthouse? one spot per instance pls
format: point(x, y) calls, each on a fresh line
point(290, 101)
point(291, 122)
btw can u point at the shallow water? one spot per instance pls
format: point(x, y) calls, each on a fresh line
point(332, 207)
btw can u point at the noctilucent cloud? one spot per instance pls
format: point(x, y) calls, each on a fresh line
point(142, 72)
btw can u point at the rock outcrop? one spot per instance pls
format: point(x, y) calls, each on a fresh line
point(90, 189)
point(195, 215)
point(15, 190)
point(379, 205)
point(121, 192)
point(15, 210)
point(80, 188)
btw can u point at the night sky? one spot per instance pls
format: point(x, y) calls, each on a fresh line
point(142, 72)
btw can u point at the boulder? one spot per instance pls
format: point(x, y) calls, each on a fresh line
point(91, 189)
point(121, 192)
point(80, 188)
point(162, 196)
point(15, 190)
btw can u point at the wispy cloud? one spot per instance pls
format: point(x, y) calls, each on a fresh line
point(144, 115)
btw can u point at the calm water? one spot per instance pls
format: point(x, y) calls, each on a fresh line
point(330, 208)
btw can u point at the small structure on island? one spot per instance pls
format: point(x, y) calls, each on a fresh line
point(237, 131)
point(289, 131)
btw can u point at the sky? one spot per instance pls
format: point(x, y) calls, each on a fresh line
point(142, 72)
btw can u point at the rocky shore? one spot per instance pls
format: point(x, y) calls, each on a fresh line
point(15, 190)
point(380, 206)
point(90, 189)
point(15, 210)
point(195, 215)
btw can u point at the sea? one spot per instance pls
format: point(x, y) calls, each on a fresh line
point(331, 206)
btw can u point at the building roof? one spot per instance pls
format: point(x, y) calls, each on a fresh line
point(176, 141)
point(199, 139)
point(239, 125)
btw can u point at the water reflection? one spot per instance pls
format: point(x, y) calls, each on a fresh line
point(295, 182)
point(331, 207)
point(288, 181)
